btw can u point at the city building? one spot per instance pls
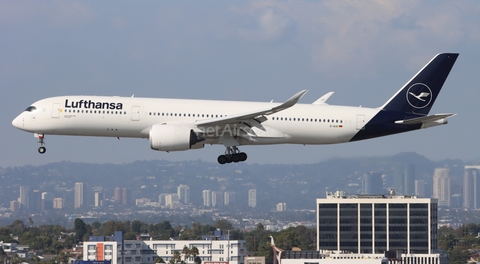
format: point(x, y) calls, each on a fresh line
point(372, 183)
point(207, 198)
point(252, 198)
point(281, 207)
point(420, 188)
point(228, 198)
point(14, 206)
point(58, 203)
point(404, 179)
point(217, 198)
point(471, 187)
point(126, 196)
point(79, 195)
point(47, 201)
point(441, 186)
point(24, 198)
point(99, 199)
point(374, 224)
point(117, 195)
point(171, 199)
point(183, 192)
point(217, 248)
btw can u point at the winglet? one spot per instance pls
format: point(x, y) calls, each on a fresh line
point(322, 100)
point(289, 103)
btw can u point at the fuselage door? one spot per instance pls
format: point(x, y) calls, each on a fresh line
point(360, 122)
point(135, 113)
point(56, 111)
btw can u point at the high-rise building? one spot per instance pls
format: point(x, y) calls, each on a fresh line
point(14, 206)
point(162, 199)
point(99, 199)
point(126, 196)
point(117, 195)
point(375, 224)
point(58, 203)
point(217, 198)
point(420, 188)
point(252, 198)
point(441, 186)
point(79, 195)
point(404, 179)
point(36, 201)
point(471, 187)
point(229, 198)
point(281, 207)
point(171, 199)
point(207, 197)
point(183, 192)
point(24, 198)
point(47, 201)
point(372, 183)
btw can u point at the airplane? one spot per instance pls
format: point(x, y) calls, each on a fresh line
point(183, 124)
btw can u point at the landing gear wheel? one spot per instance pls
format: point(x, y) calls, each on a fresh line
point(232, 154)
point(42, 150)
point(235, 157)
point(40, 140)
point(222, 159)
point(243, 156)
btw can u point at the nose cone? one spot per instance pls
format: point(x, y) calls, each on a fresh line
point(18, 122)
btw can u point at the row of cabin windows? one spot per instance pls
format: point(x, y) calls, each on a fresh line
point(273, 118)
point(307, 119)
point(184, 115)
point(96, 112)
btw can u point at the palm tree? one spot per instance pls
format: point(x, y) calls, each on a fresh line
point(159, 260)
point(186, 252)
point(194, 252)
point(176, 256)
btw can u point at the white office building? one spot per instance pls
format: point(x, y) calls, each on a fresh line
point(210, 249)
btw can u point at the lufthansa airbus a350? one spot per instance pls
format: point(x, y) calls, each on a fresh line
point(181, 124)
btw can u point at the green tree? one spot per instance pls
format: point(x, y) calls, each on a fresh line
point(159, 260)
point(80, 229)
point(186, 252)
point(223, 225)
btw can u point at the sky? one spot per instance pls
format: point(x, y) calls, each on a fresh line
point(364, 51)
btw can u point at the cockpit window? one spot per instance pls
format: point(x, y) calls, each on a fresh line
point(31, 108)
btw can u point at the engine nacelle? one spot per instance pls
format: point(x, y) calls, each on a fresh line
point(173, 138)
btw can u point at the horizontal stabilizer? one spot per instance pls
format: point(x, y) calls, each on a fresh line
point(424, 119)
point(323, 100)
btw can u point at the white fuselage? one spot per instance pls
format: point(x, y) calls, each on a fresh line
point(133, 117)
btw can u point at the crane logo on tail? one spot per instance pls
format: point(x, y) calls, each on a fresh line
point(419, 95)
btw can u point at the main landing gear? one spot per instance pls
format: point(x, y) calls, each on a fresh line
point(232, 154)
point(42, 148)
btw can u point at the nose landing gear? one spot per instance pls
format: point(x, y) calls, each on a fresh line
point(232, 154)
point(42, 148)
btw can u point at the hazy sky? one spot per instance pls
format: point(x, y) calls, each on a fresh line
point(237, 50)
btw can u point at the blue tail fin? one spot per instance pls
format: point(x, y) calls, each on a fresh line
point(419, 94)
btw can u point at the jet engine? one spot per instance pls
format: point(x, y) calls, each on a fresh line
point(173, 138)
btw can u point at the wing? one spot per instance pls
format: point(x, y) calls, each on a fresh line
point(258, 115)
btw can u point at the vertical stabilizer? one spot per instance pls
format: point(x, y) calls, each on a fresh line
point(418, 95)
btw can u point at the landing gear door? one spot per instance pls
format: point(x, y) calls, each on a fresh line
point(56, 111)
point(360, 122)
point(135, 113)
